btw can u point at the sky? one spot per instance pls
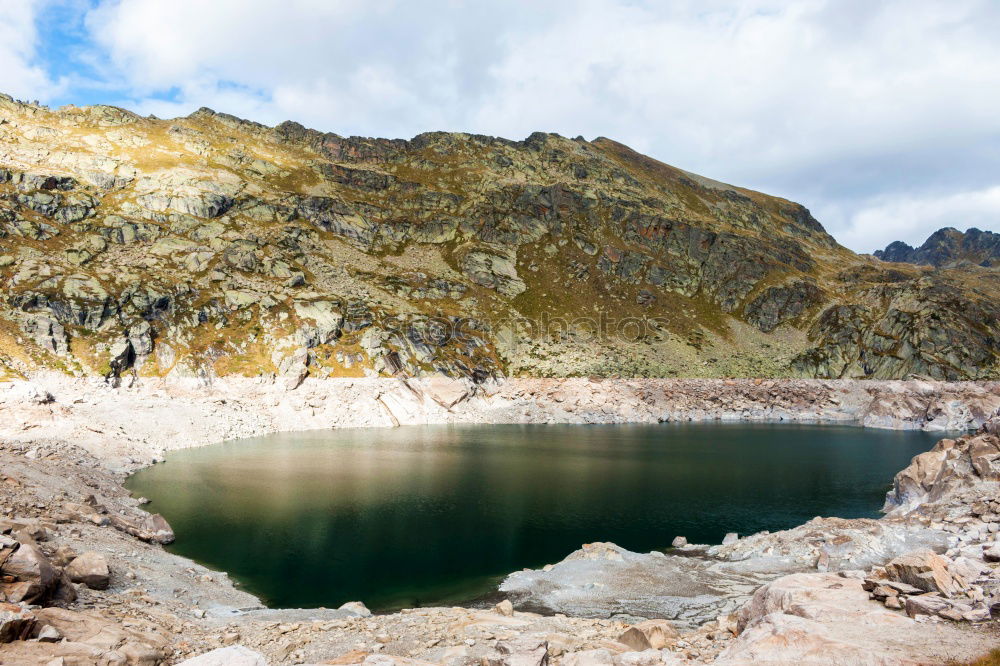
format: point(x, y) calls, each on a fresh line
point(882, 117)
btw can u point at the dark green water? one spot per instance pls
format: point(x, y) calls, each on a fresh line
point(435, 514)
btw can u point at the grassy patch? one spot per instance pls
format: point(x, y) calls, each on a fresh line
point(991, 659)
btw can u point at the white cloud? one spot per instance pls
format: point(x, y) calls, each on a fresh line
point(341, 65)
point(19, 76)
point(162, 44)
point(829, 103)
point(761, 89)
point(844, 105)
point(914, 218)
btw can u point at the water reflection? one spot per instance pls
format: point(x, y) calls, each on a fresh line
point(434, 514)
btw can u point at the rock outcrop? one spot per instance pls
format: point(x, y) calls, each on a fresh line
point(958, 477)
point(827, 619)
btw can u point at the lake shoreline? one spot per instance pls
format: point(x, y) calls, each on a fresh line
point(65, 440)
point(130, 426)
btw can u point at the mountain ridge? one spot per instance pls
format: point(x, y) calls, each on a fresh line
point(948, 246)
point(210, 245)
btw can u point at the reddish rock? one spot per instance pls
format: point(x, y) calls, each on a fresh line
point(16, 623)
point(35, 578)
point(926, 570)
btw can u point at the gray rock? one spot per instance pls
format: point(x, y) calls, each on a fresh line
point(233, 655)
point(49, 634)
point(589, 658)
point(47, 332)
point(493, 270)
point(121, 357)
point(153, 528)
point(928, 571)
point(777, 305)
point(140, 336)
point(602, 580)
point(294, 369)
point(901, 588)
point(357, 608)
point(926, 604)
point(981, 614)
point(327, 318)
point(523, 651)
point(337, 217)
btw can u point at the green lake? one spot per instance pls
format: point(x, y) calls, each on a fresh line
point(427, 515)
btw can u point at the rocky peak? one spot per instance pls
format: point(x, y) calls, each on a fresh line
point(946, 248)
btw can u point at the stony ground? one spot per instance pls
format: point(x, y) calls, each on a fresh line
point(159, 607)
point(87, 581)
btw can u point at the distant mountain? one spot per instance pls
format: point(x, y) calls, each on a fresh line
point(948, 247)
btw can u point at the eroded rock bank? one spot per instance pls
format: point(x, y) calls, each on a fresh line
point(131, 426)
point(86, 581)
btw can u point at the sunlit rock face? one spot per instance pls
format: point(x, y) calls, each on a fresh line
point(208, 246)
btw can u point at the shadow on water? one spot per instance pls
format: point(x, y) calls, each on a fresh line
point(426, 515)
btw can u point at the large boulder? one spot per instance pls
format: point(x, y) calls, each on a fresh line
point(153, 528)
point(34, 577)
point(91, 569)
point(651, 634)
point(446, 391)
point(810, 595)
point(358, 608)
point(495, 270)
point(595, 580)
point(779, 304)
point(328, 321)
point(824, 618)
point(926, 604)
point(927, 571)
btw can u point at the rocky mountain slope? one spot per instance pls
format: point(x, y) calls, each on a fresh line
point(209, 245)
point(948, 247)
